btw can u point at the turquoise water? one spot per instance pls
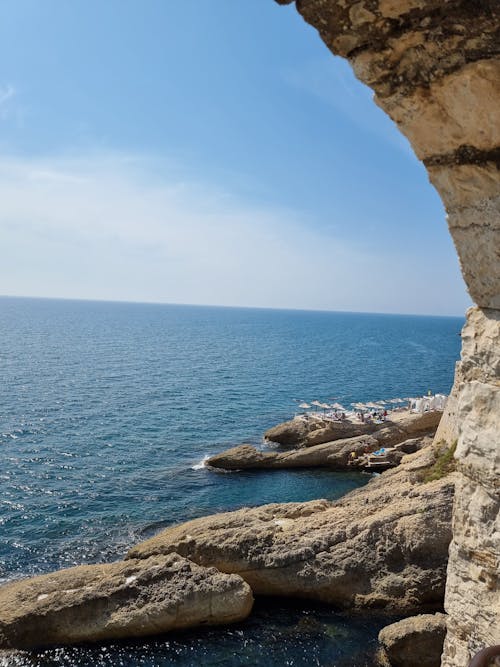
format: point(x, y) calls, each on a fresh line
point(106, 409)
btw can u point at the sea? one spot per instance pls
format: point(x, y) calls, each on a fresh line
point(108, 410)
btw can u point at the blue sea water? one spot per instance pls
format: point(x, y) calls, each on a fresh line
point(107, 408)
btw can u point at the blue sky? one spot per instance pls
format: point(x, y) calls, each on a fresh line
point(206, 152)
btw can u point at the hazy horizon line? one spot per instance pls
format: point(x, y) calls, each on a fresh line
point(215, 305)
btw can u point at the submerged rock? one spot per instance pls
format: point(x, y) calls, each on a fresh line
point(131, 598)
point(382, 546)
point(413, 642)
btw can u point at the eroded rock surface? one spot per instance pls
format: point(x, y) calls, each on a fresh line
point(413, 642)
point(132, 598)
point(385, 545)
point(300, 432)
point(335, 455)
point(473, 586)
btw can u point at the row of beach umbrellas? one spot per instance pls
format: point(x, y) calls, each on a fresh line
point(359, 406)
point(323, 406)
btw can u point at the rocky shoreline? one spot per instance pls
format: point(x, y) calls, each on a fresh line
point(302, 432)
point(337, 446)
point(382, 547)
point(362, 551)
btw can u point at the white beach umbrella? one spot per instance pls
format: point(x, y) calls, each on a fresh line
point(372, 405)
point(304, 406)
point(325, 406)
point(359, 406)
point(316, 403)
point(337, 406)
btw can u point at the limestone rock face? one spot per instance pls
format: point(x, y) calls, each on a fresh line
point(414, 642)
point(385, 545)
point(473, 589)
point(435, 68)
point(125, 599)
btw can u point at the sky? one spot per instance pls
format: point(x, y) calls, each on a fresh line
point(207, 153)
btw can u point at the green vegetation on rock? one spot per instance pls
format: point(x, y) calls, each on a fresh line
point(444, 463)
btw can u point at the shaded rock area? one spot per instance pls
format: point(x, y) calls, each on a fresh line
point(131, 598)
point(382, 546)
point(301, 432)
point(413, 642)
point(350, 453)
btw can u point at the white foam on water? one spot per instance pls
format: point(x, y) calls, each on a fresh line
point(201, 464)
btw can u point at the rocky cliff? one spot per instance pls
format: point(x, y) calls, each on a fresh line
point(435, 68)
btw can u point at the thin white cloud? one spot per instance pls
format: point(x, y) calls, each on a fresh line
point(115, 227)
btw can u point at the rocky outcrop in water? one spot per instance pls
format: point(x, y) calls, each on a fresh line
point(338, 455)
point(133, 598)
point(382, 546)
point(413, 642)
point(302, 432)
point(435, 68)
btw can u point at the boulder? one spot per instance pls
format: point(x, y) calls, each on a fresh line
point(381, 546)
point(131, 598)
point(413, 642)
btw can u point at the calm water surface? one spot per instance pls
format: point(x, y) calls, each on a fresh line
point(106, 409)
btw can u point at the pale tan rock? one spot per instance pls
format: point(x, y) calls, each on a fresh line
point(384, 545)
point(480, 359)
point(462, 185)
point(473, 588)
point(460, 108)
point(398, 427)
point(298, 432)
point(335, 455)
point(125, 599)
point(414, 642)
point(328, 455)
point(482, 280)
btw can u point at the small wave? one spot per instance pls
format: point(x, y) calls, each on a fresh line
point(201, 464)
